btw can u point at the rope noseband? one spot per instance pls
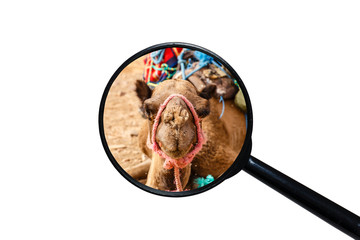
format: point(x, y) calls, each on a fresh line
point(184, 161)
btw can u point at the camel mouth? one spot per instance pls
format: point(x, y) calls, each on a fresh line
point(177, 154)
point(177, 131)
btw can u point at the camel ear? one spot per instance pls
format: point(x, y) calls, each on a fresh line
point(142, 90)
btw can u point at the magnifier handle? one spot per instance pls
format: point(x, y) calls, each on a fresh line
point(327, 210)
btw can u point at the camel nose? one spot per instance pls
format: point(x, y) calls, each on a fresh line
point(176, 131)
point(176, 113)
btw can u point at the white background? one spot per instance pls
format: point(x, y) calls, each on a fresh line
point(299, 61)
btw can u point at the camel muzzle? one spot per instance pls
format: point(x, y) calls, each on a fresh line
point(183, 161)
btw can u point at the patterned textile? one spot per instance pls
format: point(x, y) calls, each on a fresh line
point(160, 65)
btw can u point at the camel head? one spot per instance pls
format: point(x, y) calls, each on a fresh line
point(176, 133)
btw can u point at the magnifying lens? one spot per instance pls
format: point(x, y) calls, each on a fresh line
point(176, 120)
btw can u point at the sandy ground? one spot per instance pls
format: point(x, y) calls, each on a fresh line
point(122, 119)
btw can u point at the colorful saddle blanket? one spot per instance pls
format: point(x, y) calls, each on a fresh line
point(160, 65)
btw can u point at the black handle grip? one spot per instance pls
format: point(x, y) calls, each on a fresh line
point(332, 213)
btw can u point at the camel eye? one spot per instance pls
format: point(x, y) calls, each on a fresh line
point(203, 112)
point(203, 108)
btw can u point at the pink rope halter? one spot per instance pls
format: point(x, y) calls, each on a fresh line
point(184, 161)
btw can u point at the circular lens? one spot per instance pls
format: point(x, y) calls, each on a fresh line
point(174, 118)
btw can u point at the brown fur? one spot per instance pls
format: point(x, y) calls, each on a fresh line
point(224, 137)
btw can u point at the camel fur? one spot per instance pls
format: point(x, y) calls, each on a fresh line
point(176, 132)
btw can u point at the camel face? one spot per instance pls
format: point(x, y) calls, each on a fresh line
point(176, 133)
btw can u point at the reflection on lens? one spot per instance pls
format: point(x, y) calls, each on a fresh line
point(174, 119)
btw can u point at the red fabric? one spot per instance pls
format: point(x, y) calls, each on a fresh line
point(155, 76)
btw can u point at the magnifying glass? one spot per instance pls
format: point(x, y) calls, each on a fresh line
point(176, 120)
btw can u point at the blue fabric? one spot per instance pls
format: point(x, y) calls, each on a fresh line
point(200, 182)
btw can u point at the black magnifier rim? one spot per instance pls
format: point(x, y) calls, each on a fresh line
point(239, 162)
